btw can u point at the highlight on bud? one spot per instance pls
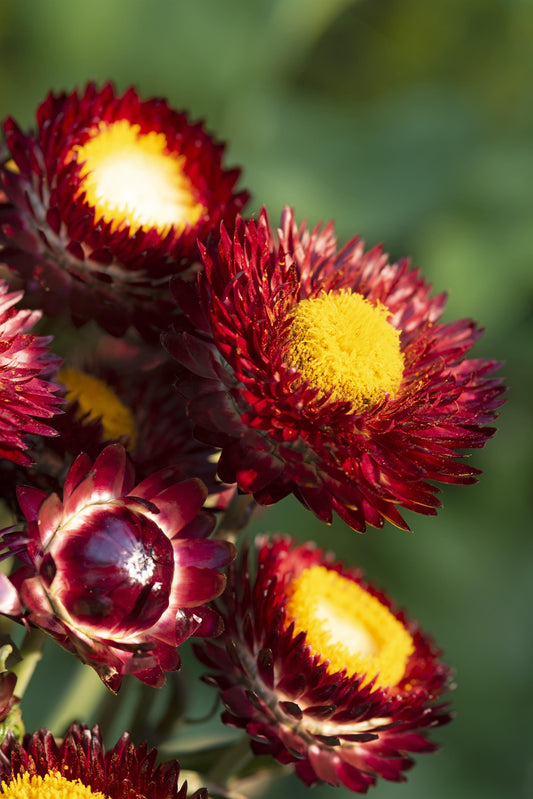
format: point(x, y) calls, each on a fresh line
point(322, 670)
point(117, 573)
point(106, 200)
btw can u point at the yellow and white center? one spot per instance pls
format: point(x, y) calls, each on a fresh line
point(342, 343)
point(348, 627)
point(131, 179)
point(97, 401)
point(52, 786)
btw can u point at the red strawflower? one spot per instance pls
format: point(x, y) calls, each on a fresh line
point(120, 392)
point(327, 374)
point(117, 573)
point(126, 393)
point(25, 391)
point(322, 670)
point(80, 767)
point(106, 199)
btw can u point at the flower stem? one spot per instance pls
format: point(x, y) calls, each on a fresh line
point(31, 652)
point(232, 761)
point(83, 696)
point(236, 517)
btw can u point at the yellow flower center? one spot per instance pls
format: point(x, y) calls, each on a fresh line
point(348, 627)
point(51, 786)
point(97, 401)
point(344, 344)
point(131, 179)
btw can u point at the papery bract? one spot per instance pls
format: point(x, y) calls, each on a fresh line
point(26, 368)
point(273, 375)
point(105, 200)
point(118, 573)
point(343, 727)
point(40, 765)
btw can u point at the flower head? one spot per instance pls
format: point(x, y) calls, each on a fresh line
point(323, 671)
point(327, 374)
point(127, 394)
point(25, 393)
point(80, 767)
point(117, 573)
point(106, 199)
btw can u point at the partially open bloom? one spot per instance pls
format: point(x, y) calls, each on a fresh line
point(117, 573)
point(25, 393)
point(106, 199)
point(80, 767)
point(127, 394)
point(323, 671)
point(120, 392)
point(327, 374)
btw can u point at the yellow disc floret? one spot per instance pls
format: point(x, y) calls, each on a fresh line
point(131, 179)
point(348, 627)
point(52, 786)
point(341, 342)
point(97, 401)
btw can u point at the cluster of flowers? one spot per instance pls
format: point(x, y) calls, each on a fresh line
point(226, 361)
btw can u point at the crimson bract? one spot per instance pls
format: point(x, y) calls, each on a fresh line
point(26, 368)
point(326, 373)
point(117, 573)
point(80, 767)
point(105, 199)
point(322, 670)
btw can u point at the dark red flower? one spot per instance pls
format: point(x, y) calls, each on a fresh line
point(44, 766)
point(106, 199)
point(126, 393)
point(25, 392)
point(322, 670)
point(120, 392)
point(327, 374)
point(117, 573)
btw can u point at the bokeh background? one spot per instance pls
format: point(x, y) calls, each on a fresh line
point(410, 123)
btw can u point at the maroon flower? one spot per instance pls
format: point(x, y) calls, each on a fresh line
point(323, 671)
point(118, 574)
point(25, 393)
point(126, 393)
point(42, 766)
point(327, 374)
point(106, 199)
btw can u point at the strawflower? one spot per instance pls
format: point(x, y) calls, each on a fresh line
point(123, 392)
point(26, 368)
point(117, 573)
point(322, 670)
point(80, 767)
point(126, 393)
point(326, 373)
point(106, 199)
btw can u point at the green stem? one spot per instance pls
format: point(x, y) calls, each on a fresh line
point(31, 652)
point(83, 696)
point(236, 517)
point(232, 761)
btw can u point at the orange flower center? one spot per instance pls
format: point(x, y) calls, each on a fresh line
point(52, 786)
point(99, 403)
point(348, 627)
point(343, 344)
point(131, 179)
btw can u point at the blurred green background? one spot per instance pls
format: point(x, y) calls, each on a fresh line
point(409, 123)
